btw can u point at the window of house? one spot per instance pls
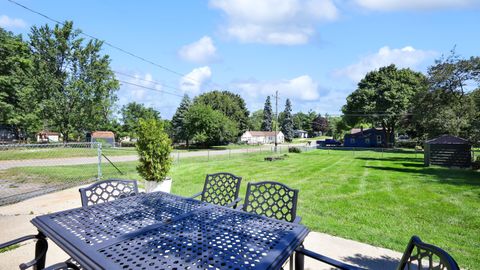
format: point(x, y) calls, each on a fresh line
point(379, 139)
point(367, 140)
point(352, 140)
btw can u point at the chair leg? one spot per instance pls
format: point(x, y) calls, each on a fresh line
point(299, 260)
point(40, 247)
point(290, 261)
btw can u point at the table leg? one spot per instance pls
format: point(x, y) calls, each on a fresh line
point(299, 260)
point(41, 248)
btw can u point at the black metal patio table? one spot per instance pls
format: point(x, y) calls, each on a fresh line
point(165, 231)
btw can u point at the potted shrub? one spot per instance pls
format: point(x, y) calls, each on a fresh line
point(154, 148)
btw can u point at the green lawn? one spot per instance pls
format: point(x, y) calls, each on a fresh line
point(381, 199)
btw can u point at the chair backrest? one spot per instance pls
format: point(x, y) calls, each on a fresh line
point(271, 199)
point(420, 255)
point(221, 188)
point(108, 190)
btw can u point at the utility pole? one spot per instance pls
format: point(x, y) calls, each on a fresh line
point(276, 119)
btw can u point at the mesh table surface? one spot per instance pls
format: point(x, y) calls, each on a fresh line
point(164, 231)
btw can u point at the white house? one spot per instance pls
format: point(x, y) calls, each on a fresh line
point(262, 137)
point(48, 136)
point(300, 133)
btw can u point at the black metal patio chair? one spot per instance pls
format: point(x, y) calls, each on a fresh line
point(221, 189)
point(272, 199)
point(108, 190)
point(41, 248)
point(417, 255)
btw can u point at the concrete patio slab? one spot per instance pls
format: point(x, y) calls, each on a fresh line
point(15, 222)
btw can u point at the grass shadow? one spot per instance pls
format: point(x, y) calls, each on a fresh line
point(443, 175)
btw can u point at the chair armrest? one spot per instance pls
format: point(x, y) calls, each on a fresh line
point(234, 203)
point(26, 238)
point(327, 260)
point(196, 195)
point(17, 241)
point(240, 206)
point(297, 220)
point(62, 266)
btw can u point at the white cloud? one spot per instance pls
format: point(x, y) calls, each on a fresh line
point(287, 22)
point(392, 5)
point(301, 88)
point(8, 22)
point(200, 51)
point(407, 57)
point(194, 81)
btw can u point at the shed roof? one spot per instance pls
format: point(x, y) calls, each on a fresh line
point(102, 134)
point(448, 139)
point(263, 133)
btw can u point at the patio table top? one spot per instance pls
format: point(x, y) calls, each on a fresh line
point(164, 231)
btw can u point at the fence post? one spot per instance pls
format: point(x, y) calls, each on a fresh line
point(178, 157)
point(208, 155)
point(229, 153)
point(99, 166)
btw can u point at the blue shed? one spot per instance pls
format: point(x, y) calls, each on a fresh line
point(372, 137)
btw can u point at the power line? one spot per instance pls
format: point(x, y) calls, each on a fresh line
point(150, 88)
point(107, 43)
point(145, 80)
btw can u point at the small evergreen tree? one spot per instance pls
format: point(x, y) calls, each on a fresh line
point(179, 128)
point(153, 148)
point(287, 123)
point(267, 116)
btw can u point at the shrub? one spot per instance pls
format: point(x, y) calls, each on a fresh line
point(406, 144)
point(154, 148)
point(294, 149)
point(127, 144)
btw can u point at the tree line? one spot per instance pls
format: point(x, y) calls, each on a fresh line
point(446, 100)
point(55, 81)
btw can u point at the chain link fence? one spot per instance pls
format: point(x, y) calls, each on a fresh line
point(28, 170)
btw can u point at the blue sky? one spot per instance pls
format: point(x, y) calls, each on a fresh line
point(312, 51)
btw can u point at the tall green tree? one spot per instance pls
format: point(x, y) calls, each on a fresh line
point(255, 120)
point(208, 127)
point(321, 124)
point(132, 113)
point(74, 83)
point(287, 123)
point(179, 127)
point(383, 97)
point(267, 116)
point(230, 104)
point(449, 105)
point(17, 104)
point(301, 121)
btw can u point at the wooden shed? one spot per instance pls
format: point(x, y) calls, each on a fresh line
point(104, 137)
point(448, 150)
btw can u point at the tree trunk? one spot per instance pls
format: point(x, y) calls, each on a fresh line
point(385, 132)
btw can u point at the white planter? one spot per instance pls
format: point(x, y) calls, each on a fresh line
point(164, 186)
